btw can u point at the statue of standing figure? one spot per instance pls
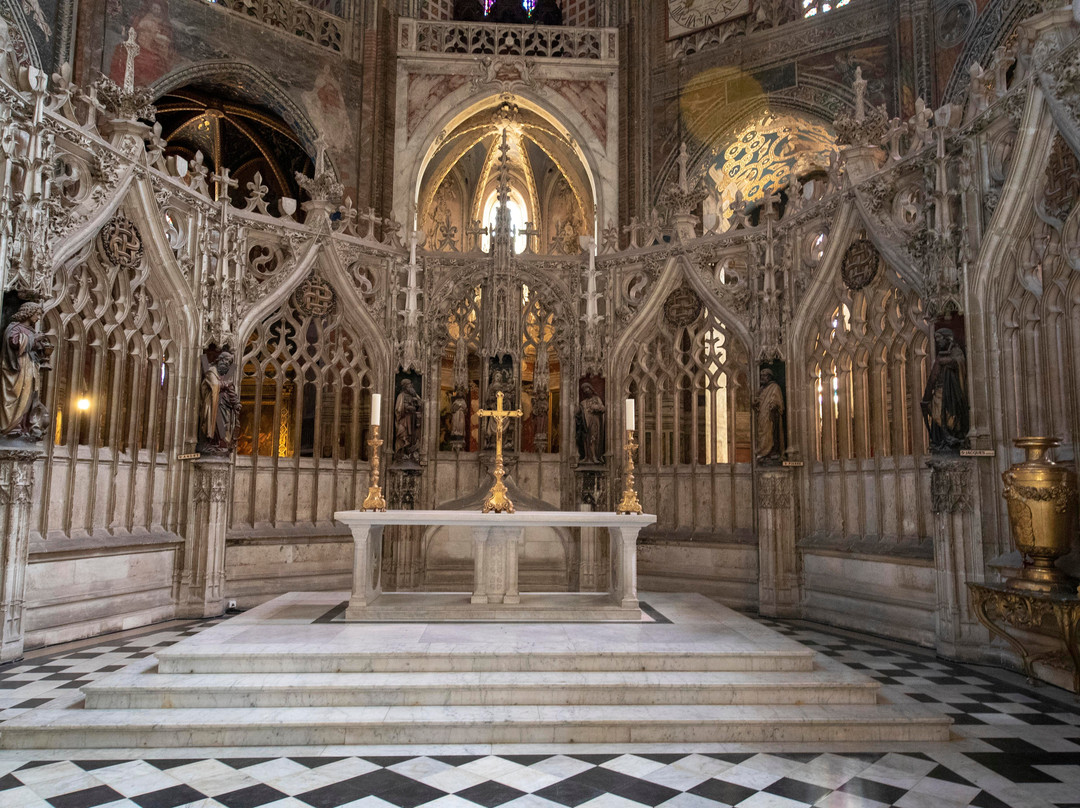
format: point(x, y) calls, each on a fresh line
point(770, 420)
point(220, 405)
point(589, 424)
point(25, 353)
point(945, 400)
point(407, 408)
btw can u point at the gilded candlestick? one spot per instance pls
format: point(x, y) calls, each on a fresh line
point(629, 502)
point(375, 500)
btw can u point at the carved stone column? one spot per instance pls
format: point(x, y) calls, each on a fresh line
point(202, 583)
point(778, 560)
point(16, 494)
point(958, 556)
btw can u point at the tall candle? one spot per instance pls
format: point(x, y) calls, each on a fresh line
point(376, 409)
point(631, 419)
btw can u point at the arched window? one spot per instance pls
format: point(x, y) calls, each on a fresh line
point(868, 369)
point(111, 392)
point(518, 218)
point(693, 406)
point(811, 8)
point(306, 383)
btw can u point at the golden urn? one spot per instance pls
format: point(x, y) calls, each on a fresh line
point(1042, 513)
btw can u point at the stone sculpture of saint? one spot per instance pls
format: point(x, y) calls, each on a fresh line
point(945, 400)
point(220, 405)
point(407, 408)
point(458, 421)
point(770, 420)
point(25, 351)
point(589, 425)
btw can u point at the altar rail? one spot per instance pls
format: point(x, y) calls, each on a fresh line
point(480, 39)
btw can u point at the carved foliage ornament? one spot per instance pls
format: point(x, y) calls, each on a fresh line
point(121, 242)
point(861, 264)
point(682, 307)
point(1062, 180)
point(775, 491)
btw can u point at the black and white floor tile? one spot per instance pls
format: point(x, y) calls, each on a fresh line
point(1015, 746)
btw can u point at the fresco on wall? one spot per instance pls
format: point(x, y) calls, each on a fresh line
point(41, 21)
point(875, 59)
point(176, 34)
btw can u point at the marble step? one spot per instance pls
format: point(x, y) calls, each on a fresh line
point(147, 690)
point(455, 659)
point(609, 724)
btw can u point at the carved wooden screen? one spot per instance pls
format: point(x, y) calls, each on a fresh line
point(868, 365)
point(305, 393)
point(111, 393)
point(689, 383)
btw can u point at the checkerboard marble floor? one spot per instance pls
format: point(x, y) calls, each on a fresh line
point(1013, 746)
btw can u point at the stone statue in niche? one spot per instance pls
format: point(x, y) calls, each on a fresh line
point(945, 400)
point(770, 419)
point(407, 409)
point(459, 419)
point(25, 354)
point(220, 403)
point(589, 426)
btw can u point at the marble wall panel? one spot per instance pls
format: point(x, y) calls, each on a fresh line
point(74, 596)
point(726, 572)
point(259, 568)
point(893, 598)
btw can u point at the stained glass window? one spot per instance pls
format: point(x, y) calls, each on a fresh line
point(811, 8)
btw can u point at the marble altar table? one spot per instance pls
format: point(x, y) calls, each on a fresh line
point(497, 542)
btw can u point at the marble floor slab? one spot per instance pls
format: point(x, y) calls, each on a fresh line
point(1031, 763)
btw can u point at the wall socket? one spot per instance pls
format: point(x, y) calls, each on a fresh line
point(232, 604)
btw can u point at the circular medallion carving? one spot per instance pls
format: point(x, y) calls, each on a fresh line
point(315, 297)
point(861, 264)
point(682, 307)
point(121, 242)
point(956, 19)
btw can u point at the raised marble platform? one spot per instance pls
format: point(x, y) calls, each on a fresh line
point(288, 674)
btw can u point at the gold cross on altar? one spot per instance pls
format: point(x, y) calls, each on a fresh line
point(497, 501)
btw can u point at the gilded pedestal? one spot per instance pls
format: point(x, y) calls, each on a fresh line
point(1001, 608)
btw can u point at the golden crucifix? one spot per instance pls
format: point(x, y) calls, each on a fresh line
point(497, 501)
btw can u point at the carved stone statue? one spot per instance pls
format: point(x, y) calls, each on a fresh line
point(220, 405)
point(589, 425)
point(22, 415)
point(770, 420)
point(945, 400)
point(458, 422)
point(407, 409)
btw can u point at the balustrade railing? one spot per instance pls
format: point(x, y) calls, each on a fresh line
point(479, 39)
point(326, 23)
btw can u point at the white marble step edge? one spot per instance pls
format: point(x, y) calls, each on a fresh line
point(77, 728)
point(143, 689)
point(458, 659)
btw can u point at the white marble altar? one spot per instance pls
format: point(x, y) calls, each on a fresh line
point(498, 539)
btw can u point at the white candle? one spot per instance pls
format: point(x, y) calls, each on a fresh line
point(376, 409)
point(631, 419)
